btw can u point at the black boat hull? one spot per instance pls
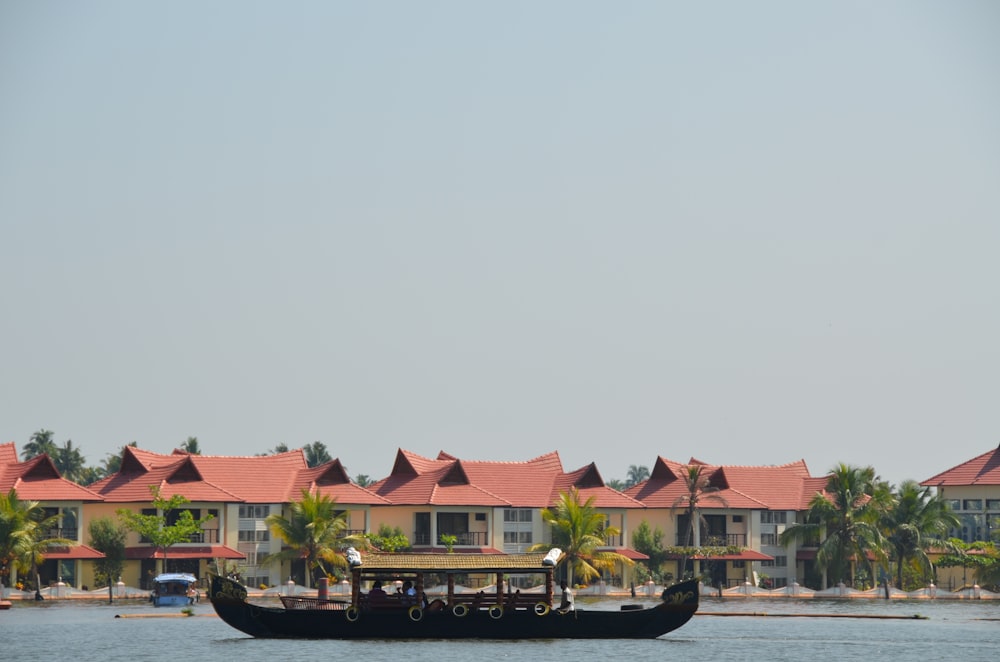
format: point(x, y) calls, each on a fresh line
point(229, 600)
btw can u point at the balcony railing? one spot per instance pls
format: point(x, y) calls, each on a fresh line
point(204, 537)
point(613, 541)
point(68, 533)
point(716, 540)
point(465, 539)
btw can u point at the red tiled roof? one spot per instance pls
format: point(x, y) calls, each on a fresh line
point(770, 487)
point(38, 479)
point(630, 553)
point(184, 552)
point(448, 480)
point(981, 470)
point(330, 479)
point(245, 479)
point(72, 553)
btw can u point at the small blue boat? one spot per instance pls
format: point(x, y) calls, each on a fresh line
point(174, 588)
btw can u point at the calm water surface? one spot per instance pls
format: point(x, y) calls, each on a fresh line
point(71, 631)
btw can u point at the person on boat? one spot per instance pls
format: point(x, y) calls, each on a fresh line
point(566, 603)
point(408, 594)
point(377, 594)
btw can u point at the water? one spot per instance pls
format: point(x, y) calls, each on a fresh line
point(71, 631)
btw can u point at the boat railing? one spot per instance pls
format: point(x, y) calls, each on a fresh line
point(294, 602)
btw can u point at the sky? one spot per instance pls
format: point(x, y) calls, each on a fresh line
point(746, 233)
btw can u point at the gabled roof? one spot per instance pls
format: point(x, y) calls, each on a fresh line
point(38, 479)
point(768, 487)
point(205, 478)
point(981, 470)
point(331, 479)
point(448, 480)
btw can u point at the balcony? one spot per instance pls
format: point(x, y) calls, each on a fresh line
point(465, 539)
point(717, 540)
point(67, 533)
point(204, 537)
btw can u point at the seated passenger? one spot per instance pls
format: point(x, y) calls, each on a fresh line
point(377, 594)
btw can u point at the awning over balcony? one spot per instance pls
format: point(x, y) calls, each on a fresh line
point(72, 553)
point(629, 553)
point(197, 552)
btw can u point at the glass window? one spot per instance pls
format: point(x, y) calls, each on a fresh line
point(972, 504)
point(954, 504)
point(993, 504)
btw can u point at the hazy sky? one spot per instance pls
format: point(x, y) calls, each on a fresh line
point(748, 232)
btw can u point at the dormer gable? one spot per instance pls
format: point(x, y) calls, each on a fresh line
point(591, 477)
point(185, 472)
point(40, 467)
point(455, 475)
point(131, 464)
point(662, 471)
point(402, 466)
point(333, 474)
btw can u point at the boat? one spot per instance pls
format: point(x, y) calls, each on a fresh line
point(487, 614)
point(174, 588)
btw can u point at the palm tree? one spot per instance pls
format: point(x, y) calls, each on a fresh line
point(41, 444)
point(845, 520)
point(23, 540)
point(697, 490)
point(617, 484)
point(191, 446)
point(69, 461)
point(316, 454)
point(113, 463)
point(636, 474)
point(313, 532)
point(579, 530)
point(363, 480)
point(918, 521)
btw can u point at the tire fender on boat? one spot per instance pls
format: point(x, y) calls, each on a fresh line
point(496, 612)
point(352, 613)
point(416, 613)
point(542, 609)
point(460, 610)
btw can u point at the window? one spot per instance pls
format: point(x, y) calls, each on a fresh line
point(954, 504)
point(254, 536)
point(993, 504)
point(767, 564)
point(781, 561)
point(737, 519)
point(773, 516)
point(253, 512)
point(517, 515)
point(769, 539)
point(517, 537)
point(972, 504)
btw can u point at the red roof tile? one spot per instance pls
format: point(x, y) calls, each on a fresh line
point(246, 479)
point(768, 487)
point(184, 552)
point(38, 479)
point(981, 470)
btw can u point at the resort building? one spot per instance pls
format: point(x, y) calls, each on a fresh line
point(39, 480)
point(743, 510)
point(484, 506)
point(234, 495)
point(972, 490)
